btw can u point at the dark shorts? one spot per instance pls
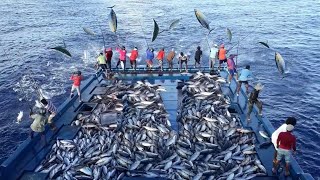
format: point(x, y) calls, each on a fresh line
point(232, 71)
point(222, 61)
point(103, 66)
point(245, 82)
point(183, 61)
point(197, 60)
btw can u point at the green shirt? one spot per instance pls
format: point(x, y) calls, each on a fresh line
point(101, 59)
point(39, 122)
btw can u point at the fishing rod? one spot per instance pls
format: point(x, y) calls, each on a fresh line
point(144, 34)
point(241, 39)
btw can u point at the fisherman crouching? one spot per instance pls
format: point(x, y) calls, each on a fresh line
point(253, 99)
point(101, 60)
point(38, 123)
point(52, 110)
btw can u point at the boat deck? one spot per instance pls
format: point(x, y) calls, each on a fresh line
point(31, 152)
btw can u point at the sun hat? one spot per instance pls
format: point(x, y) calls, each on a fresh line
point(258, 86)
point(289, 127)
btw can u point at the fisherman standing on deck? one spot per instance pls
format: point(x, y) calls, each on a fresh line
point(76, 78)
point(286, 142)
point(253, 99)
point(122, 57)
point(197, 57)
point(274, 137)
point(38, 123)
point(244, 77)
point(170, 58)
point(183, 59)
point(150, 56)
point(222, 54)
point(232, 67)
point(52, 110)
point(160, 57)
point(101, 60)
point(213, 55)
point(133, 58)
point(109, 54)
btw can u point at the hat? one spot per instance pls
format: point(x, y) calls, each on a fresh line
point(258, 86)
point(289, 127)
point(222, 45)
point(215, 45)
point(135, 48)
point(233, 55)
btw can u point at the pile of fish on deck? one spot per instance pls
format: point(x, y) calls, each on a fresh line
point(210, 143)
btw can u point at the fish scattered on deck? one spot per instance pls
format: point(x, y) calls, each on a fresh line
point(210, 142)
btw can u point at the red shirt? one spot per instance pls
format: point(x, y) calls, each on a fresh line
point(160, 55)
point(108, 55)
point(134, 55)
point(287, 141)
point(76, 80)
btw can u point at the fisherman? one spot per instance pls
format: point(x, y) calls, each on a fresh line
point(101, 60)
point(283, 128)
point(183, 59)
point(52, 110)
point(253, 99)
point(245, 75)
point(170, 58)
point(286, 142)
point(231, 67)
point(160, 57)
point(222, 55)
point(150, 56)
point(38, 123)
point(213, 55)
point(122, 57)
point(133, 58)
point(197, 57)
point(76, 78)
point(109, 54)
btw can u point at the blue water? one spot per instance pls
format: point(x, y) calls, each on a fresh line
point(28, 28)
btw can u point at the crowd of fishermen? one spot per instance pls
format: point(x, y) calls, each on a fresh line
point(283, 140)
point(104, 59)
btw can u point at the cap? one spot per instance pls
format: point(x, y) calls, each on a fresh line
point(289, 127)
point(222, 45)
point(258, 86)
point(215, 45)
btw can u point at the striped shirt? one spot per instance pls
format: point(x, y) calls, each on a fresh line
point(51, 108)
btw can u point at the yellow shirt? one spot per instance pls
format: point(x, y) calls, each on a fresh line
point(101, 59)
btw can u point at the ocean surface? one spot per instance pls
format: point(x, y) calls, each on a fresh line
point(29, 28)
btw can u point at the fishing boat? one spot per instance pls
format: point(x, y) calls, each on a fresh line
point(23, 162)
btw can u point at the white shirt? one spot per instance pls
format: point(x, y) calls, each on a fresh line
point(275, 134)
point(213, 52)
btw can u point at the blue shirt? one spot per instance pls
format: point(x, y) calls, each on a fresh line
point(150, 55)
point(245, 75)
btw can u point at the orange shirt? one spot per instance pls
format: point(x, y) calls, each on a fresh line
point(160, 55)
point(222, 54)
